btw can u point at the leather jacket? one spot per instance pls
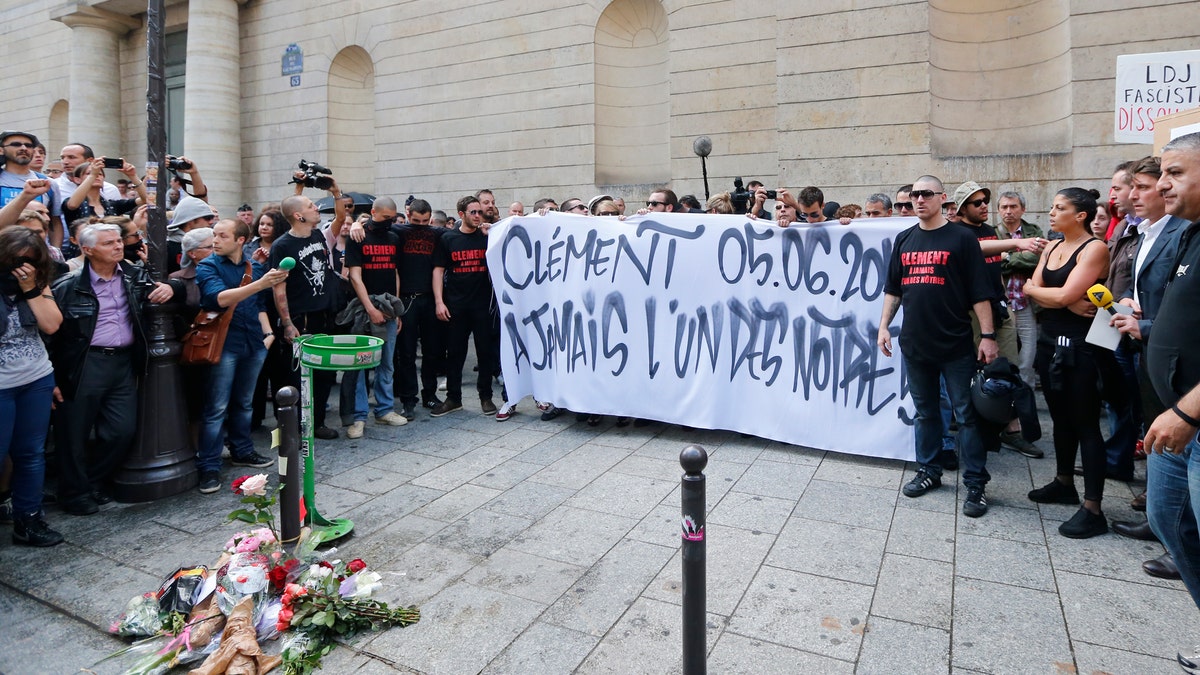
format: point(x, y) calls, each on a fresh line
point(79, 306)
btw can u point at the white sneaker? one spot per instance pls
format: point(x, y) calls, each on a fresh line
point(355, 430)
point(392, 419)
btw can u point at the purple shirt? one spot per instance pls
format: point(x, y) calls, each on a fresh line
point(114, 326)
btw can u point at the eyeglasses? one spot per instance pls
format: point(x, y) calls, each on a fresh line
point(475, 212)
point(20, 145)
point(203, 248)
point(653, 203)
point(609, 213)
point(976, 203)
point(903, 205)
point(923, 194)
point(578, 207)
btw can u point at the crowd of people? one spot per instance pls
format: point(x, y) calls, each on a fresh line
point(76, 279)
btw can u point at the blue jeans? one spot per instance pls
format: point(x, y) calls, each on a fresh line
point(230, 404)
point(24, 422)
point(384, 401)
point(1172, 504)
point(1125, 419)
point(924, 385)
point(947, 416)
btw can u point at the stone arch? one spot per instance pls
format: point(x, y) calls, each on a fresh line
point(632, 103)
point(1000, 77)
point(351, 134)
point(57, 129)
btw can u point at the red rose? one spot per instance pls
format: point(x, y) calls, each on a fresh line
point(237, 484)
point(355, 566)
point(278, 577)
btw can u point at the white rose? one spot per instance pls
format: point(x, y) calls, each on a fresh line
point(255, 486)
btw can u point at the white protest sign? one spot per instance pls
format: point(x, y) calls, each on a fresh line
point(1149, 86)
point(711, 321)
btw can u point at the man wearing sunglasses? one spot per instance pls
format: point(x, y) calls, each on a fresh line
point(18, 148)
point(903, 202)
point(972, 202)
point(462, 294)
point(936, 273)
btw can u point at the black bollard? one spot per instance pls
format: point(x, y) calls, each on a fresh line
point(693, 459)
point(287, 414)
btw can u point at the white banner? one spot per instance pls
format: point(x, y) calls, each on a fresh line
point(717, 322)
point(1149, 86)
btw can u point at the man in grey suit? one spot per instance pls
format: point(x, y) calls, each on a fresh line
point(1158, 242)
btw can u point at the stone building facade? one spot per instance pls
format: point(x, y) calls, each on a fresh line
point(573, 97)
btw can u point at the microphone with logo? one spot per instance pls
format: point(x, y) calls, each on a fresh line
point(1102, 298)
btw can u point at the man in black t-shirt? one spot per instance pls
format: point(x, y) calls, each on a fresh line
point(1173, 363)
point(418, 239)
point(371, 264)
point(305, 301)
point(971, 202)
point(462, 292)
point(937, 274)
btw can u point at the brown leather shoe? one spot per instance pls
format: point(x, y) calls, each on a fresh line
point(1138, 503)
point(1140, 530)
point(1162, 567)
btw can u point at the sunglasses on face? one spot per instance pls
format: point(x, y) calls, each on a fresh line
point(20, 145)
point(903, 205)
point(975, 203)
point(609, 213)
point(922, 194)
point(475, 212)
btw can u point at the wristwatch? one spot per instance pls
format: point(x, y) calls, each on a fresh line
point(987, 336)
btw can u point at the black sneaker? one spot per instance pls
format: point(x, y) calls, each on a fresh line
point(6, 512)
point(210, 482)
point(976, 504)
point(430, 403)
point(446, 407)
point(254, 460)
point(1084, 525)
point(1016, 441)
point(551, 412)
point(487, 406)
point(1055, 492)
point(920, 484)
point(409, 411)
point(33, 531)
point(948, 459)
point(83, 505)
point(325, 433)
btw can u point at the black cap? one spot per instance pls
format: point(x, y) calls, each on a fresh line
point(245, 207)
point(5, 135)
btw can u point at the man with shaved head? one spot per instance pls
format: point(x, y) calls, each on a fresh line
point(937, 274)
point(371, 264)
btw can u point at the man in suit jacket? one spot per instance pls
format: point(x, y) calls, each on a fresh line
point(1153, 264)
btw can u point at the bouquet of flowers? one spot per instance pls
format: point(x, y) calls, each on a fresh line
point(332, 600)
point(298, 592)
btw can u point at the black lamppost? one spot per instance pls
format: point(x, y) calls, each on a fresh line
point(703, 147)
point(161, 462)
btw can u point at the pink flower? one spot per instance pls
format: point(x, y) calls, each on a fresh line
point(255, 486)
point(248, 545)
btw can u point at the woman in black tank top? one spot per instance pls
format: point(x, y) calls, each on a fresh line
point(1068, 366)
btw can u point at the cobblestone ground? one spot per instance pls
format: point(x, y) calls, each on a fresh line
point(553, 547)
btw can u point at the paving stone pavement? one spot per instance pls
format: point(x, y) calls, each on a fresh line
point(553, 547)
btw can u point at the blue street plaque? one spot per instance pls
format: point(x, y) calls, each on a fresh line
point(295, 80)
point(293, 61)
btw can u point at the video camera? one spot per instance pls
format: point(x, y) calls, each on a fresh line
point(742, 198)
point(315, 176)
